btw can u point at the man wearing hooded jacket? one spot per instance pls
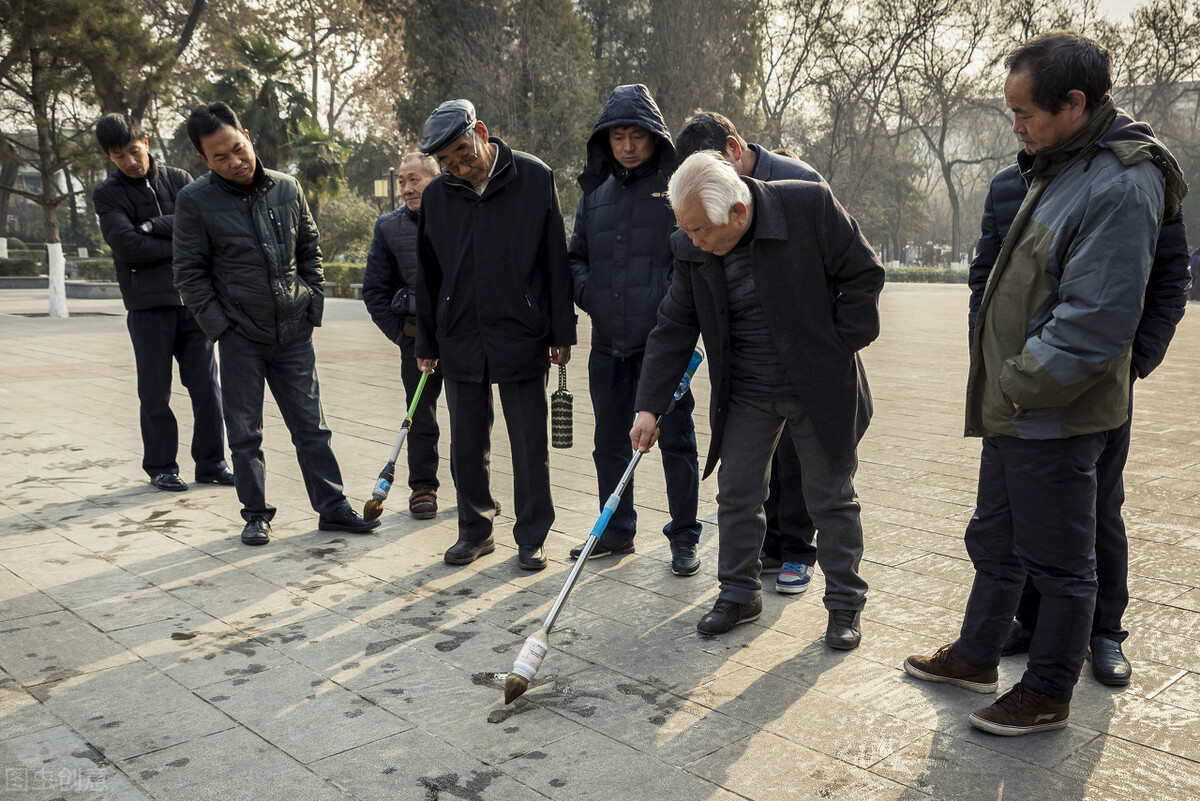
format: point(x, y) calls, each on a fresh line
point(620, 257)
point(1166, 300)
point(1049, 375)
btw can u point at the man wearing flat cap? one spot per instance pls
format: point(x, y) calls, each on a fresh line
point(494, 306)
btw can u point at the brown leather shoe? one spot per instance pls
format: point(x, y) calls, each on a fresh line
point(422, 504)
point(947, 667)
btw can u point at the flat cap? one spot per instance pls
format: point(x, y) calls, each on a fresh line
point(448, 121)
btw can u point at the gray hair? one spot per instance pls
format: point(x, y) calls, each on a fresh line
point(707, 177)
point(429, 163)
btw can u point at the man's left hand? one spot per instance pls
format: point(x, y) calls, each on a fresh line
point(560, 354)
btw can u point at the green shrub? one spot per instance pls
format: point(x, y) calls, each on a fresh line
point(15, 244)
point(341, 275)
point(912, 274)
point(20, 267)
point(96, 270)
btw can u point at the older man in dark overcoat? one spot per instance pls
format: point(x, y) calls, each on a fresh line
point(784, 289)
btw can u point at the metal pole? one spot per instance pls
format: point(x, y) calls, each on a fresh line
point(392, 187)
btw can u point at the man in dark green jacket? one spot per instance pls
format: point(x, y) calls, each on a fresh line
point(248, 265)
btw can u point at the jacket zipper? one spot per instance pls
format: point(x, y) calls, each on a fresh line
point(250, 201)
point(278, 228)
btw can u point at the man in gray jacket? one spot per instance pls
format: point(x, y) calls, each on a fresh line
point(248, 266)
point(1050, 374)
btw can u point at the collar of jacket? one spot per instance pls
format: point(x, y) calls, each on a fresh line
point(1049, 161)
point(770, 220)
point(151, 175)
point(262, 182)
point(503, 171)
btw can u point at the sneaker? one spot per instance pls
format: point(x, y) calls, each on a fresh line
point(422, 504)
point(684, 561)
point(346, 520)
point(793, 578)
point(947, 667)
point(770, 564)
point(605, 548)
point(1017, 641)
point(1022, 711)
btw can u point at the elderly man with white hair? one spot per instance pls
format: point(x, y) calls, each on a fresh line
point(784, 289)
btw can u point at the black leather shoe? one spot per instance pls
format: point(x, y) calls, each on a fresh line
point(684, 561)
point(1109, 664)
point(843, 632)
point(531, 557)
point(605, 548)
point(257, 531)
point(169, 482)
point(347, 520)
point(726, 614)
point(224, 478)
point(465, 552)
point(1017, 641)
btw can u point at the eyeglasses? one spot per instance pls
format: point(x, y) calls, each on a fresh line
point(451, 165)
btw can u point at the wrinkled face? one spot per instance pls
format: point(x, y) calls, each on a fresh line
point(707, 235)
point(413, 178)
point(468, 157)
point(631, 144)
point(228, 152)
point(133, 160)
point(1036, 127)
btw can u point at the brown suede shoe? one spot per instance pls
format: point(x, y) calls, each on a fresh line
point(1022, 711)
point(947, 667)
point(422, 504)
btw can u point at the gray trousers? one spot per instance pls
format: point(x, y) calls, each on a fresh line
point(752, 430)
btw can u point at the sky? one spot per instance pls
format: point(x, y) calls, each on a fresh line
point(1118, 9)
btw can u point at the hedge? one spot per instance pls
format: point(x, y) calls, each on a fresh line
point(341, 275)
point(96, 270)
point(20, 267)
point(926, 275)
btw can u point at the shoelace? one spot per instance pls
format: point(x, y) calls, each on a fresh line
point(795, 568)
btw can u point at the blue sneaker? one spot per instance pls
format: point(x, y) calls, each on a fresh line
point(793, 578)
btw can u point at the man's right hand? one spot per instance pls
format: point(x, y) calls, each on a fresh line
point(644, 433)
point(426, 365)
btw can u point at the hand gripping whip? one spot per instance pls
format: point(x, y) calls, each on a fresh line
point(535, 648)
point(374, 507)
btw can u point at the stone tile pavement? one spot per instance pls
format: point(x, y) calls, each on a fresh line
point(144, 653)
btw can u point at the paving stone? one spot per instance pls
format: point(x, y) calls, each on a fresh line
point(416, 766)
point(232, 765)
point(130, 710)
point(56, 764)
point(19, 599)
point(55, 646)
point(302, 713)
point(1117, 769)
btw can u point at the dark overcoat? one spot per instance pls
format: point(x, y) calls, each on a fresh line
point(818, 281)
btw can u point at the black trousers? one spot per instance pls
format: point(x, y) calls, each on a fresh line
point(158, 336)
point(790, 529)
point(525, 413)
point(290, 370)
point(1112, 546)
point(422, 439)
point(1035, 514)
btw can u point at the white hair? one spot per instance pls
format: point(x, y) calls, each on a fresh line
point(428, 163)
point(707, 177)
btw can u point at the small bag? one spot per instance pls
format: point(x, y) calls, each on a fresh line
point(561, 402)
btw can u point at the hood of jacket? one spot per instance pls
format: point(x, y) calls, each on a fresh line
point(630, 104)
point(1132, 142)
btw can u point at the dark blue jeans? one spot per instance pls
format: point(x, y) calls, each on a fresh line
point(422, 439)
point(613, 383)
point(1035, 514)
point(290, 371)
point(158, 336)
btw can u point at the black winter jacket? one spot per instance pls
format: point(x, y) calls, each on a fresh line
point(620, 250)
point(143, 261)
point(1166, 292)
point(495, 290)
point(249, 261)
point(392, 266)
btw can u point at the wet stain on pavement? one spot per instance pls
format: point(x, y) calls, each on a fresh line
point(454, 642)
point(448, 784)
point(183, 635)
